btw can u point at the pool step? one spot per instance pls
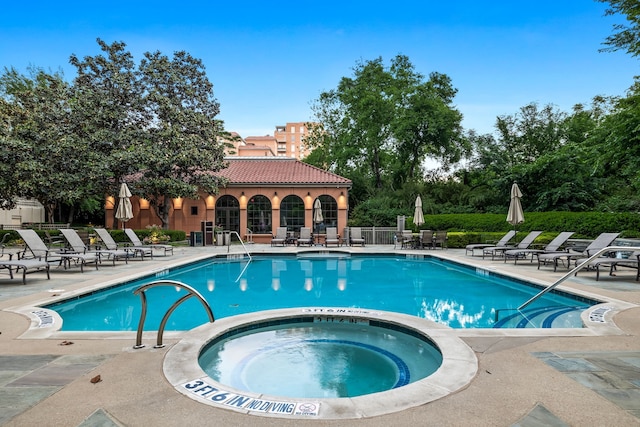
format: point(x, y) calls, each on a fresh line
point(542, 317)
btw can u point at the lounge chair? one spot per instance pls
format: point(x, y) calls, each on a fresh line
point(38, 249)
point(440, 239)
point(107, 239)
point(355, 236)
point(332, 237)
point(135, 240)
point(305, 237)
point(552, 246)
point(602, 241)
point(280, 238)
point(500, 250)
point(77, 245)
point(427, 239)
point(502, 242)
point(27, 266)
point(612, 263)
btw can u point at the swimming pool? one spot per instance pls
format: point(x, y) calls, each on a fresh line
point(441, 291)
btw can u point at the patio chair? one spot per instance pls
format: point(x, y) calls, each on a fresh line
point(135, 240)
point(440, 239)
point(77, 245)
point(38, 249)
point(500, 250)
point(280, 238)
point(305, 236)
point(426, 238)
point(612, 263)
point(502, 242)
point(107, 239)
point(332, 237)
point(355, 236)
point(407, 240)
point(602, 241)
point(27, 266)
point(53, 240)
point(552, 246)
point(3, 245)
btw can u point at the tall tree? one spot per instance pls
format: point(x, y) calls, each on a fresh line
point(108, 113)
point(49, 162)
point(181, 144)
point(381, 124)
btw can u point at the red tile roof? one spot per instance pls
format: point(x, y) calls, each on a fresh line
point(278, 171)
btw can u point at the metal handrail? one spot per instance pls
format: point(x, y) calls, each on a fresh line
point(143, 298)
point(241, 242)
point(578, 268)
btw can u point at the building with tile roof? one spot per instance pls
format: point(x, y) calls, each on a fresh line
point(262, 194)
point(287, 141)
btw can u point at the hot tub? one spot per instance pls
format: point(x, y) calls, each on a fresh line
point(393, 346)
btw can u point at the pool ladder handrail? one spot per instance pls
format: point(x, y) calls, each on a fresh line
point(583, 264)
point(191, 292)
point(241, 242)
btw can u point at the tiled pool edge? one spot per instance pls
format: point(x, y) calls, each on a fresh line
point(458, 368)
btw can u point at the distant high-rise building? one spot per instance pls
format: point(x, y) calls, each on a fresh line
point(287, 141)
point(291, 140)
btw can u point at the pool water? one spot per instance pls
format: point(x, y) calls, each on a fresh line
point(323, 360)
point(441, 291)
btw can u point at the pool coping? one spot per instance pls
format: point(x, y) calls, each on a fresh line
point(181, 369)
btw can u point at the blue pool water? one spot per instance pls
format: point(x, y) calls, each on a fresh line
point(323, 360)
point(441, 291)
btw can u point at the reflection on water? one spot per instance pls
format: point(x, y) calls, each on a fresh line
point(449, 313)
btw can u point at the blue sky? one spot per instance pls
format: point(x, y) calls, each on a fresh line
point(268, 61)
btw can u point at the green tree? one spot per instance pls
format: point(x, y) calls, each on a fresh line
point(108, 114)
point(181, 146)
point(48, 162)
point(625, 37)
point(380, 125)
point(530, 133)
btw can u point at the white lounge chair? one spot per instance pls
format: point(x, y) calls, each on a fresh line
point(552, 246)
point(502, 242)
point(355, 236)
point(39, 250)
point(77, 245)
point(305, 236)
point(500, 250)
point(602, 241)
point(612, 263)
point(27, 266)
point(281, 237)
point(107, 239)
point(332, 237)
point(135, 240)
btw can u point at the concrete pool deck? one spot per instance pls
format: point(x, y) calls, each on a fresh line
point(523, 378)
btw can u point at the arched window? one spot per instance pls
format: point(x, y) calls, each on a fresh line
point(228, 213)
point(259, 214)
point(292, 213)
point(329, 214)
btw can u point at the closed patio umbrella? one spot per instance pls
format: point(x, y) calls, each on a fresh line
point(125, 211)
point(317, 213)
point(418, 216)
point(515, 215)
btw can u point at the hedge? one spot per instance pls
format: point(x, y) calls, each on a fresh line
point(584, 224)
